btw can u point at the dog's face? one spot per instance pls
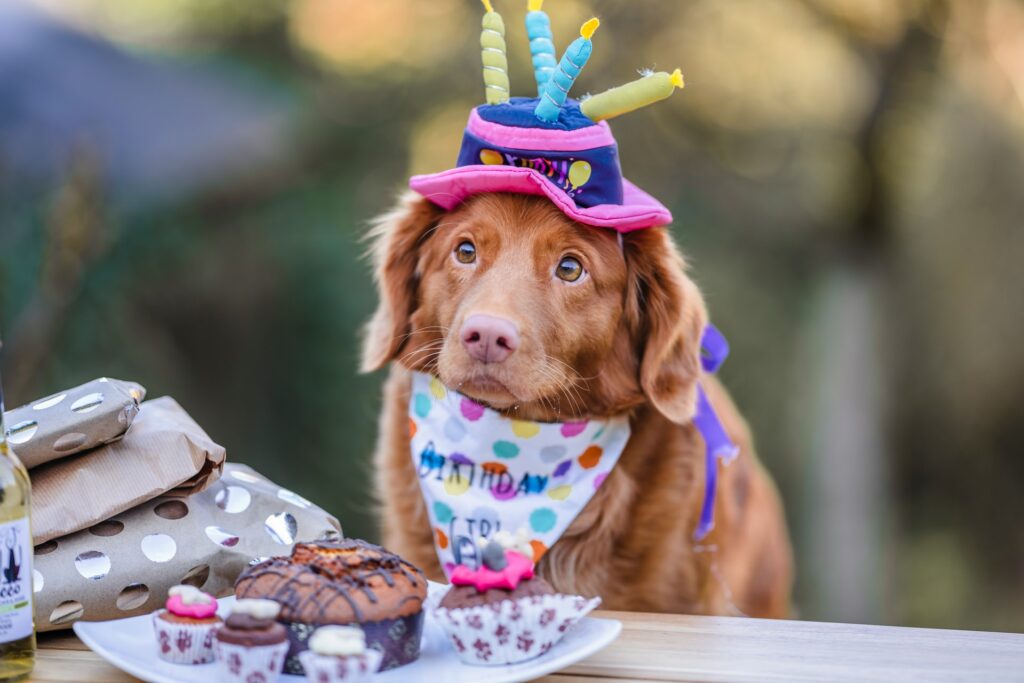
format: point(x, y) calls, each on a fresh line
point(513, 304)
point(518, 303)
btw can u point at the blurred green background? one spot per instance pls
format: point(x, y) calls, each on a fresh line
point(184, 185)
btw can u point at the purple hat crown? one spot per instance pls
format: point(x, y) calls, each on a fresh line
point(582, 162)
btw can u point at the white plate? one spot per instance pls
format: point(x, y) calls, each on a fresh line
point(129, 645)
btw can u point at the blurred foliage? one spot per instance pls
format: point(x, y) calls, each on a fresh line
point(812, 135)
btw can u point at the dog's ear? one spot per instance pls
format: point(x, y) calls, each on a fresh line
point(667, 314)
point(395, 244)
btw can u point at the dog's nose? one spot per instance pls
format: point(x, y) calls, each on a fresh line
point(489, 339)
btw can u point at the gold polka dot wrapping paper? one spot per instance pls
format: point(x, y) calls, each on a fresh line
point(72, 421)
point(163, 451)
point(124, 566)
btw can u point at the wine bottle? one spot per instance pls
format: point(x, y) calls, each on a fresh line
point(17, 634)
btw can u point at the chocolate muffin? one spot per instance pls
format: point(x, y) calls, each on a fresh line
point(343, 582)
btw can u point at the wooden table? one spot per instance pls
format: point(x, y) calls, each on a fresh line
point(656, 647)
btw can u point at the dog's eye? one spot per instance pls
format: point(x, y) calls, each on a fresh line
point(569, 269)
point(465, 252)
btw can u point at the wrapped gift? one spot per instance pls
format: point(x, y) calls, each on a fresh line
point(73, 421)
point(124, 566)
point(164, 451)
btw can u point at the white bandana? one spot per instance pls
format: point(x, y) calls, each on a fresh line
point(482, 472)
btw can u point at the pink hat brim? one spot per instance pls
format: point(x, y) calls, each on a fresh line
point(450, 188)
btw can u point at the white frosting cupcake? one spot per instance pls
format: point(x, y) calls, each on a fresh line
point(338, 654)
point(338, 641)
point(257, 608)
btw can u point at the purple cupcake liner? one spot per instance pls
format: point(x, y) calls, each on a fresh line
point(330, 669)
point(242, 664)
point(397, 640)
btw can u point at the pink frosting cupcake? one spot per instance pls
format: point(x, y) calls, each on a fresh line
point(500, 612)
point(185, 629)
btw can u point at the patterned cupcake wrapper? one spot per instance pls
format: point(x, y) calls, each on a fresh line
point(512, 631)
point(397, 640)
point(326, 669)
point(241, 664)
point(184, 643)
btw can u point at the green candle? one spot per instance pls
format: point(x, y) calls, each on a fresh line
point(625, 98)
point(492, 46)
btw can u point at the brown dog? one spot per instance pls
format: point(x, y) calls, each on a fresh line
point(518, 307)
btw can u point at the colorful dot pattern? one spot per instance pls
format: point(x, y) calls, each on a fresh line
point(481, 472)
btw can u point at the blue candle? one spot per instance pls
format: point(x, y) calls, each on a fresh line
point(554, 92)
point(542, 47)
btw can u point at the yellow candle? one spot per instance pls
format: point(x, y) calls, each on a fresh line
point(492, 46)
point(625, 98)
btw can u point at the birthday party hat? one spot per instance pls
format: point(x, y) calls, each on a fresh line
point(550, 145)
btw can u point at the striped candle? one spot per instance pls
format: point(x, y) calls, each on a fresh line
point(557, 88)
point(492, 50)
point(648, 89)
point(542, 46)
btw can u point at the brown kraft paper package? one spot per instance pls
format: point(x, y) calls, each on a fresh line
point(73, 420)
point(164, 451)
point(124, 566)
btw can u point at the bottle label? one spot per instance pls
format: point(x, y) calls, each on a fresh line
point(15, 580)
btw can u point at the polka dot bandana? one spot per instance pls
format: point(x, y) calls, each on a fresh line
point(482, 472)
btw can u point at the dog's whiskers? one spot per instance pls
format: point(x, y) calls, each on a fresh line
point(425, 355)
point(554, 371)
point(562, 396)
point(567, 385)
point(429, 346)
point(443, 330)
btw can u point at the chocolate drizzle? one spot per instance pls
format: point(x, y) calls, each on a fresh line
point(319, 574)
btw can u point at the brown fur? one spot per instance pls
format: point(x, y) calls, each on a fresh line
point(623, 339)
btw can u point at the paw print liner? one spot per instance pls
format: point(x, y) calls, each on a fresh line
point(512, 631)
point(182, 643)
point(250, 664)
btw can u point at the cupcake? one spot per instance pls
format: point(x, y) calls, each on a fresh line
point(501, 612)
point(184, 630)
point(251, 646)
point(338, 653)
point(341, 583)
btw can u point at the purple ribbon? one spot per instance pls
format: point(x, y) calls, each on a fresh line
point(714, 350)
